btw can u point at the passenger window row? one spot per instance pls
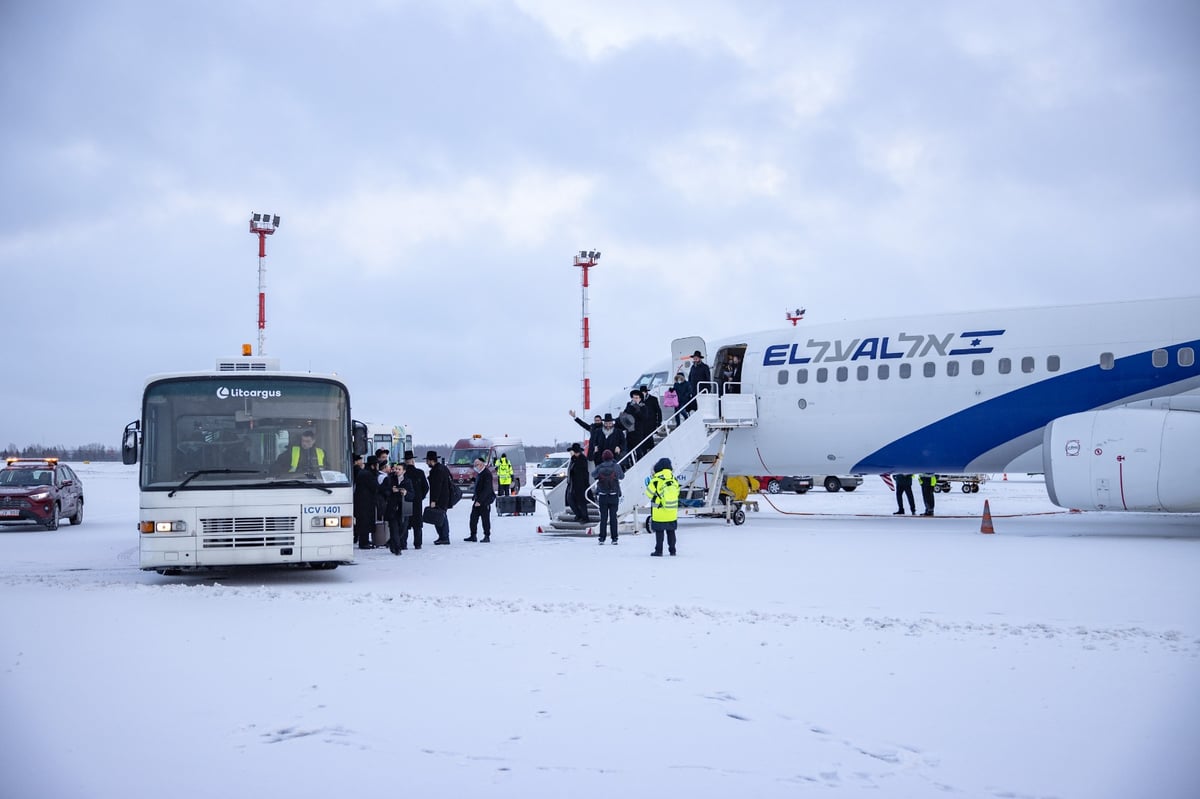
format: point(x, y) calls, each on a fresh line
point(821, 374)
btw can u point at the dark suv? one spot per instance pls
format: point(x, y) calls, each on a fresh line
point(40, 490)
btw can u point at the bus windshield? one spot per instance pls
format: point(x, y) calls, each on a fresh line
point(220, 432)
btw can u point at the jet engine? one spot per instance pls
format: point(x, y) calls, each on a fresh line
point(1124, 459)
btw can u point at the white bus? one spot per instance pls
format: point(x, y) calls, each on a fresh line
point(394, 438)
point(244, 465)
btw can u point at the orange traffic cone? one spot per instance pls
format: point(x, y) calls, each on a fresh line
point(986, 526)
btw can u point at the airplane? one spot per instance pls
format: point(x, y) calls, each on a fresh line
point(1104, 399)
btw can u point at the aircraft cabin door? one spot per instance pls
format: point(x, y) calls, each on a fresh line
point(681, 353)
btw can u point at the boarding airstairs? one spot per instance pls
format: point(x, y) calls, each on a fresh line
point(697, 442)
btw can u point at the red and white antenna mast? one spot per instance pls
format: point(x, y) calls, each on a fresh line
point(262, 225)
point(586, 260)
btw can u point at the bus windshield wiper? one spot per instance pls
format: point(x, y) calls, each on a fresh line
point(306, 483)
point(196, 474)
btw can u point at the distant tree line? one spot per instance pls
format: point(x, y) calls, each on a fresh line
point(88, 452)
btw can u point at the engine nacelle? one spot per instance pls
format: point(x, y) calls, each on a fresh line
point(1124, 459)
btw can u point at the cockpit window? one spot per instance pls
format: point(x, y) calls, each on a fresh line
point(651, 379)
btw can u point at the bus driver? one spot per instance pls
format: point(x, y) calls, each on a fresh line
point(306, 458)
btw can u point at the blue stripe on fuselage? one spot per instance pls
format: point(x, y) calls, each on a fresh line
point(955, 441)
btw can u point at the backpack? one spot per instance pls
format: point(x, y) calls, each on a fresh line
point(607, 482)
point(455, 494)
point(670, 399)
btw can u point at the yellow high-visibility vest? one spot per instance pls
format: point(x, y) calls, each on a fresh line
point(296, 458)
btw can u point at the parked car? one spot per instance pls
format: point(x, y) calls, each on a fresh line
point(40, 490)
point(841, 482)
point(774, 484)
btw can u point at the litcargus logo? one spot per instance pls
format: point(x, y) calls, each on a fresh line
point(224, 392)
point(971, 342)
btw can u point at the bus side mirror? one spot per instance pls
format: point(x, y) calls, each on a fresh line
point(129, 444)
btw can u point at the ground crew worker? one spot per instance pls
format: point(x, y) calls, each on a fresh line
point(904, 489)
point(928, 486)
point(663, 491)
point(504, 475)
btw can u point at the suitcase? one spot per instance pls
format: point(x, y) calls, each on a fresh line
point(381, 534)
point(507, 506)
point(526, 505)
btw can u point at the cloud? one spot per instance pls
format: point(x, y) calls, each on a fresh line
point(378, 225)
point(598, 30)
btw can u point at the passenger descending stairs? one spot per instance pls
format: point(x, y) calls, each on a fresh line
point(684, 444)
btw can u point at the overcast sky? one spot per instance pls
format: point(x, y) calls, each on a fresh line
point(437, 164)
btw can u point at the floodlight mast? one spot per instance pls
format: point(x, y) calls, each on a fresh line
point(262, 225)
point(586, 260)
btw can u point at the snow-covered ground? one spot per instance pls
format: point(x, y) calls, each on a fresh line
point(825, 648)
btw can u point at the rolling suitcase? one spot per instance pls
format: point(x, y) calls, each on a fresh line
point(381, 534)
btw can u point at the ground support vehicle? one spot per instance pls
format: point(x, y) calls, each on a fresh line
point(462, 460)
point(40, 490)
point(696, 447)
point(245, 465)
point(704, 496)
point(970, 482)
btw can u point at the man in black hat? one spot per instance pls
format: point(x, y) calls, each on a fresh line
point(439, 496)
point(637, 414)
point(700, 378)
point(578, 478)
point(610, 437)
point(420, 491)
point(653, 413)
point(366, 491)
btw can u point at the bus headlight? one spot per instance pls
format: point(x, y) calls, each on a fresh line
point(163, 527)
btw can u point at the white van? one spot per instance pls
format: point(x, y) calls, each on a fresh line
point(552, 470)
